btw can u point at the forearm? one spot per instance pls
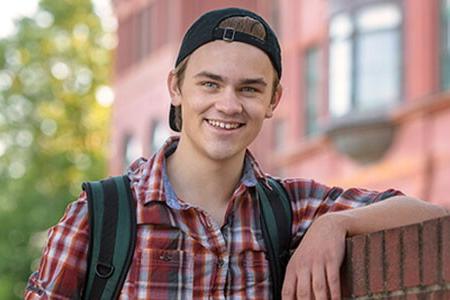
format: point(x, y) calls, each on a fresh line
point(393, 212)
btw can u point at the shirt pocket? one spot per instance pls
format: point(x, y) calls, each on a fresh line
point(163, 274)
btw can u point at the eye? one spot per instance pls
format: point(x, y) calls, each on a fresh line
point(209, 84)
point(249, 89)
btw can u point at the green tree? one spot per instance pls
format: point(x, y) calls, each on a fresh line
point(53, 132)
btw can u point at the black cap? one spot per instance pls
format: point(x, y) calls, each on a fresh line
point(206, 29)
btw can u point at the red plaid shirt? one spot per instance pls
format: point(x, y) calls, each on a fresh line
point(181, 252)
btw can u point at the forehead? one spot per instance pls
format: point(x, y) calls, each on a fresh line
point(230, 59)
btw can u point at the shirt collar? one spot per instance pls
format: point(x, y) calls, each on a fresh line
point(151, 183)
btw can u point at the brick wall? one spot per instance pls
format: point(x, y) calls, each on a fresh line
point(411, 262)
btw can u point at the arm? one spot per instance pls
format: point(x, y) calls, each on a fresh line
point(63, 263)
point(393, 212)
point(314, 266)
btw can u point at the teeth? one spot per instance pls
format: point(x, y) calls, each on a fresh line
point(223, 125)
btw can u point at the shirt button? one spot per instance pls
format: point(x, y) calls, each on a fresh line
point(220, 263)
point(165, 257)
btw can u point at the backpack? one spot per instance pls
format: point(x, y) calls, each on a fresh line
point(112, 214)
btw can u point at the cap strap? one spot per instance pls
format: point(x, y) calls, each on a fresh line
point(228, 34)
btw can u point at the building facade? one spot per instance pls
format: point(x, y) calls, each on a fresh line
point(365, 100)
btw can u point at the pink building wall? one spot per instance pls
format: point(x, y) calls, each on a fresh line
point(417, 162)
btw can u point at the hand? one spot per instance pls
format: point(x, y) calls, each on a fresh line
point(313, 270)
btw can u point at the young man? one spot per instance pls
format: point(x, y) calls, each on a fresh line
point(198, 234)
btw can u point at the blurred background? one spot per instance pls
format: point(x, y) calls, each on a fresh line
point(83, 93)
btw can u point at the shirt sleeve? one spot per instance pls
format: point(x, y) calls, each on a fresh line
point(62, 267)
point(311, 199)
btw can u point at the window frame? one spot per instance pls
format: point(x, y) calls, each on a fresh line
point(352, 8)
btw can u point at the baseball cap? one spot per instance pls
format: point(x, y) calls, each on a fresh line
point(206, 29)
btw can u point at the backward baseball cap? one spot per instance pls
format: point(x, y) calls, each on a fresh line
point(206, 29)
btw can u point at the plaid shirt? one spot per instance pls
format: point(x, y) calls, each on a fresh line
point(181, 252)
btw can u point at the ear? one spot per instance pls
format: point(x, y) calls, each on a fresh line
point(274, 101)
point(174, 91)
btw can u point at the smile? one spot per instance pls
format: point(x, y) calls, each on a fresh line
point(223, 125)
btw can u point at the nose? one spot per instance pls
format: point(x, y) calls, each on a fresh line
point(228, 102)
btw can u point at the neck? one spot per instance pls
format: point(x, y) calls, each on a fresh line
point(203, 181)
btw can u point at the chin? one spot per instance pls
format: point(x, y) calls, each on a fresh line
point(222, 153)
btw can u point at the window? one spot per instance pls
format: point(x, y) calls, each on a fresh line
point(340, 65)
point(445, 44)
point(138, 35)
point(124, 54)
point(159, 134)
point(279, 134)
point(132, 150)
point(365, 59)
point(312, 90)
point(145, 33)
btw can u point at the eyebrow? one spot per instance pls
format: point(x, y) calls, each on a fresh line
point(210, 75)
point(258, 81)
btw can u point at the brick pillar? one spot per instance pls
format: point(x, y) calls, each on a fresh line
point(410, 262)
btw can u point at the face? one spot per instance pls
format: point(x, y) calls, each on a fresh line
point(226, 94)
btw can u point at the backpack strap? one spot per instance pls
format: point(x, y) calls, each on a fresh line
point(276, 221)
point(112, 221)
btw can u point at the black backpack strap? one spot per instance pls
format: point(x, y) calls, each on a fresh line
point(276, 223)
point(112, 221)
